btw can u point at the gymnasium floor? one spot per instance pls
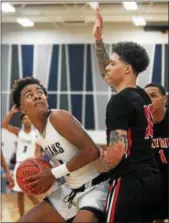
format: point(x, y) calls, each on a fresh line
point(9, 210)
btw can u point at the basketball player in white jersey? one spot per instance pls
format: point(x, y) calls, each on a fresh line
point(82, 198)
point(26, 147)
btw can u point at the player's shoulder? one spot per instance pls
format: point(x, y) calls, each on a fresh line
point(136, 94)
point(60, 115)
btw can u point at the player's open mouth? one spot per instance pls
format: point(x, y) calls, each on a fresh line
point(39, 104)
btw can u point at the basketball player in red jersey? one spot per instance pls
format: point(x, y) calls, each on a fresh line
point(129, 160)
point(160, 141)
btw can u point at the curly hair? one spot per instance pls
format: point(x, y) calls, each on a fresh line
point(133, 54)
point(20, 84)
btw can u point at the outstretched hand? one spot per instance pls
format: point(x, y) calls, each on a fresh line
point(98, 25)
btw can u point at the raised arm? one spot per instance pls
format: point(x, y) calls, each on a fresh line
point(6, 121)
point(101, 54)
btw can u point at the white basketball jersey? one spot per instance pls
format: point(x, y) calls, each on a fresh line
point(26, 145)
point(57, 148)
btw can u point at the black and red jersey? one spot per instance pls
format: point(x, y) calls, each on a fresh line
point(130, 110)
point(160, 144)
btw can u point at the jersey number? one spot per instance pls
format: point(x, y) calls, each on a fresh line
point(148, 114)
point(25, 149)
point(162, 156)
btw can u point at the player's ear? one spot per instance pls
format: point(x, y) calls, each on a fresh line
point(128, 69)
point(165, 99)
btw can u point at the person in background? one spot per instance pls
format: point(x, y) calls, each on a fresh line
point(26, 147)
point(160, 141)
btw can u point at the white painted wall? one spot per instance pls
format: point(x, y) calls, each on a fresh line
point(48, 33)
point(8, 139)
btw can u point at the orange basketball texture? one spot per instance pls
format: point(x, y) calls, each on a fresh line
point(28, 168)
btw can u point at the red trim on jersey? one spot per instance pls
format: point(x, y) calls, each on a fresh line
point(116, 194)
point(129, 138)
point(110, 190)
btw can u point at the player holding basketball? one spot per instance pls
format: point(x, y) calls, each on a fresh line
point(63, 138)
point(135, 179)
point(160, 142)
point(26, 147)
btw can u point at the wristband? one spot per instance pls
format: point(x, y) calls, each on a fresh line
point(60, 171)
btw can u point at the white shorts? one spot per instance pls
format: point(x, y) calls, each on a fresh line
point(93, 197)
point(16, 187)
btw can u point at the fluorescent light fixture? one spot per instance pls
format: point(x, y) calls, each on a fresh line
point(25, 22)
point(130, 5)
point(93, 5)
point(139, 20)
point(6, 7)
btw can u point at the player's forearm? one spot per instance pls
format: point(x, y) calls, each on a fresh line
point(80, 160)
point(7, 119)
point(117, 148)
point(3, 163)
point(102, 57)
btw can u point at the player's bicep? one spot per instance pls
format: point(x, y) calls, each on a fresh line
point(71, 129)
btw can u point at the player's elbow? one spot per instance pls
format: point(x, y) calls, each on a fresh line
point(114, 156)
point(93, 154)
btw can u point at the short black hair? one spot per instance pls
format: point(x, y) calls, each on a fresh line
point(133, 54)
point(20, 84)
point(160, 88)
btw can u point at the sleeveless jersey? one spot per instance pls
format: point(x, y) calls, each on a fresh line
point(58, 148)
point(26, 145)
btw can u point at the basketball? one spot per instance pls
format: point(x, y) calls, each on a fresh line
point(28, 168)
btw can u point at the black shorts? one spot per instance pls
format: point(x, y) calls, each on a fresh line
point(134, 197)
point(164, 207)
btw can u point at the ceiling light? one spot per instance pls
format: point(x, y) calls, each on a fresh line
point(130, 5)
point(25, 22)
point(93, 5)
point(139, 20)
point(6, 7)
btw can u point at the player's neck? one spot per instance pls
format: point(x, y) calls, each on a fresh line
point(27, 129)
point(40, 122)
point(159, 115)
point(128, 82)
point(125, 85)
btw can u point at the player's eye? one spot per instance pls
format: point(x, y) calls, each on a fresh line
point(40, 93)
point(29, 96)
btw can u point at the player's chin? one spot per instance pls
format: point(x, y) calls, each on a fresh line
point(41, 109)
